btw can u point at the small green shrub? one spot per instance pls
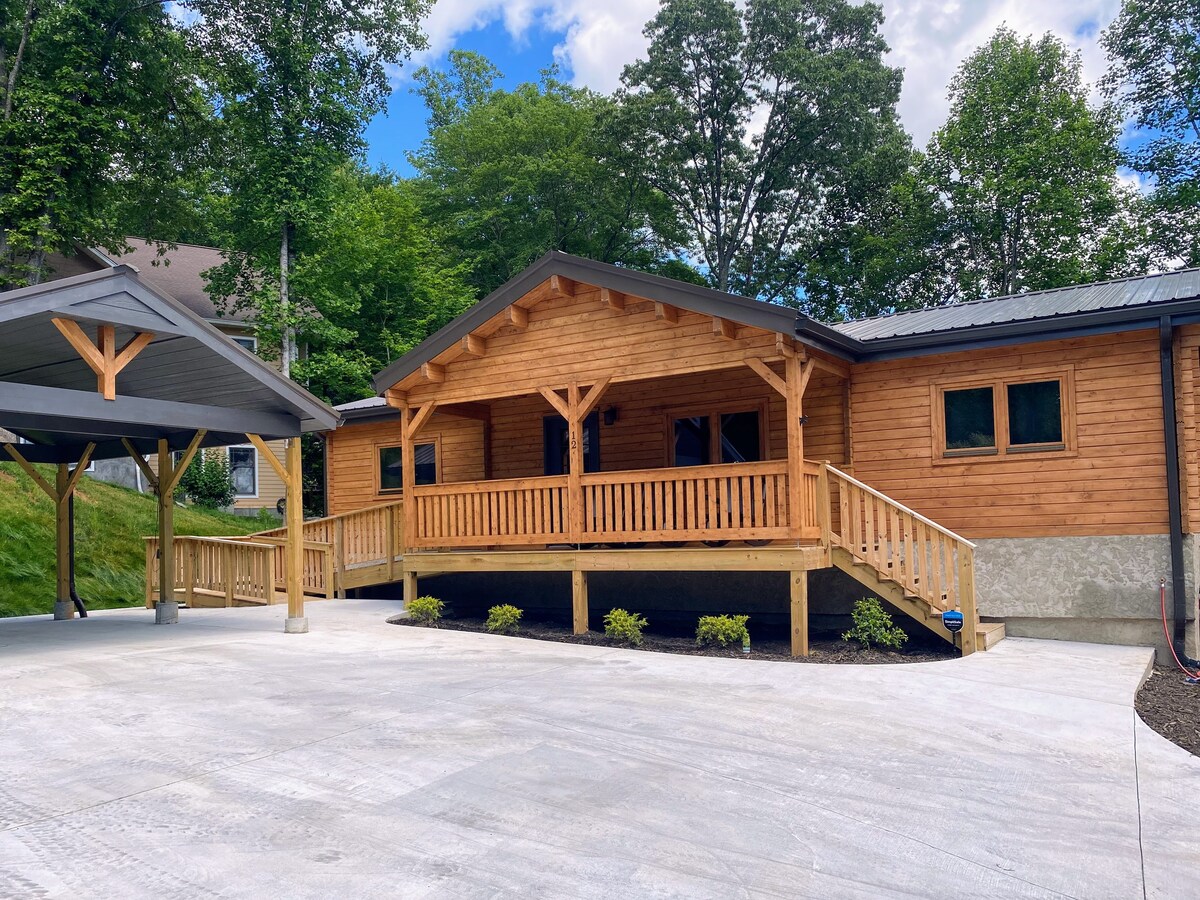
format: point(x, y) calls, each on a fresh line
point(624, 626)
point(503, 619)
point(426, 610)
point(873, 625)
point(207, 482)
point(721, 630)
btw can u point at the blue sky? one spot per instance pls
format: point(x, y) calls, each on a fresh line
point(592, 41)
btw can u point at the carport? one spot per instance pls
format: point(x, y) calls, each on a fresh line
point(101, 365)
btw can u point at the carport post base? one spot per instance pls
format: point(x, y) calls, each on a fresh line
point(166, 612)
point(64, 609)
point(295, 625)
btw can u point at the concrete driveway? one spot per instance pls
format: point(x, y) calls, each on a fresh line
point(222, 758)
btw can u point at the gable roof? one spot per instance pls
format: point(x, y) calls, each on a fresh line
point(189, 376)
point(178, 272)
point(742, 310)
point(1128, 297)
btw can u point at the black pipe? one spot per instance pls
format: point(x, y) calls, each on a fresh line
point(80, 606)
point(1166, 356)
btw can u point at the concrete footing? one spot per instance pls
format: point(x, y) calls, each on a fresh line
point(64, 609)
point(166, 612)
point(296, 625)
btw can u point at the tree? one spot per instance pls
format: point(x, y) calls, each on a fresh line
point(1154, 51)
point(751, 119)
point(513, 174)
point(380, 274)
point(99, 106)
point(1026, 171)
point(207, 481)
point(296, 83)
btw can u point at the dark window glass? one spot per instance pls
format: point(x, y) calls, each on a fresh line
point(391, 466)
point(970, 421)
point(692, 446)
point(740, 437)
point(1035, 413)
point(556, 445)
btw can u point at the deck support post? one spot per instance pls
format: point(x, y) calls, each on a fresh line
point(579, 601)
point(410, 586)
point(966, 600)
point(799, 609)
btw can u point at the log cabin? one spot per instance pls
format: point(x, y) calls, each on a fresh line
point(1030, 461)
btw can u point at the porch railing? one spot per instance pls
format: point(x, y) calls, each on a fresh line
point(508, 511)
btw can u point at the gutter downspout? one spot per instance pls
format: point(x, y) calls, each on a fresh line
point(1174, 506)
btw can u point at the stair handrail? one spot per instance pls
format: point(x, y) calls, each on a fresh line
point(900, 506)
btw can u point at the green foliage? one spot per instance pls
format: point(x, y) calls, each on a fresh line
point(750, 118)
point(426, 610)
point(207, 481)
point(873, 625)
point(624, 626)
point(99, 106)
point(514, 174)
point(722, 630)
point(1154, 48)
point(296, 84)
point(382, 277)
point(503, 619)
point(110, 524)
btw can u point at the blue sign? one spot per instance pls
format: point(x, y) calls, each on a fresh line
point(953, 621)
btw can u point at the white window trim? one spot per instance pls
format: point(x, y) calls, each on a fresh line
point(253, 450)
point(238, 338)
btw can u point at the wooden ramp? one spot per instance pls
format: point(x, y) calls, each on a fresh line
point(916, 565)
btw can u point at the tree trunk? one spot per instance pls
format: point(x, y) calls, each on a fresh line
point(289, 337)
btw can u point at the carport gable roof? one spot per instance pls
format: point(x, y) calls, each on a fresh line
point(188, 377)
point(743, 311)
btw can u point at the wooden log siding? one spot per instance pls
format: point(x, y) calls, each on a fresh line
point(1113, 483)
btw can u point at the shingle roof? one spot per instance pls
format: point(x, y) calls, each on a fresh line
point(178, 273)
point(1141, 291)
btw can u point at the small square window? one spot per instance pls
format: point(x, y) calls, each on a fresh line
point(1035, 414)
point(243, 470)
point(970, 419)
point(391, 468)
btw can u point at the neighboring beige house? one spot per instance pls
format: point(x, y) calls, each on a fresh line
point(178, 272)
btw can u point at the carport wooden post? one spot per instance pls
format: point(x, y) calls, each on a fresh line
point(60, 493)
point(165, 483)
point(291, 473)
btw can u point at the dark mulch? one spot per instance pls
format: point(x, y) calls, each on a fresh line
point(1171, 706)
point(822, 649)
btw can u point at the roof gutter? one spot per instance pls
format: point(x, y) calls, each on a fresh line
point(1166, 355)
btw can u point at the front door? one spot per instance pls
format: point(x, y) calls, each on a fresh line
point(556, 444)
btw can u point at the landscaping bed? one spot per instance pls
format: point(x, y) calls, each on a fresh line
point(826, 648)
point(1171, 706)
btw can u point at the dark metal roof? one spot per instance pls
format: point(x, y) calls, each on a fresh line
point(189, 377)
point(742, 310)
point(1123, 294)
point(369, 408)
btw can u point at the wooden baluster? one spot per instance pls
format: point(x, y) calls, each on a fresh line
point(227, 564)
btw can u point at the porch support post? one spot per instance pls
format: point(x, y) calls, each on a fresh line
point(410, 587)
point(579, 601)
point(799, 608)
point(795, 382)
point(408, 479)
point(575, 475)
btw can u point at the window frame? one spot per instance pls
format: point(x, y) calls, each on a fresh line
point(380, 446)
point(257, 470)
point(1004, 449)
point(713, 414)
point(253, 338)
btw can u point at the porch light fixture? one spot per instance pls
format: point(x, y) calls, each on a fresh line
point(610, 415)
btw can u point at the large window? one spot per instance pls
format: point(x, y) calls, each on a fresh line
point(1002, 417)
point(391, 466)
point(243, 471)
point(728, 437)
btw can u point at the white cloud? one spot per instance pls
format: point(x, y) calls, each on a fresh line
point(929, 38)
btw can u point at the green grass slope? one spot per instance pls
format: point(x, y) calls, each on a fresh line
point(110, 555)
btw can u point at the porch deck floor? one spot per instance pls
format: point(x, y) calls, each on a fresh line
point(223, 757)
